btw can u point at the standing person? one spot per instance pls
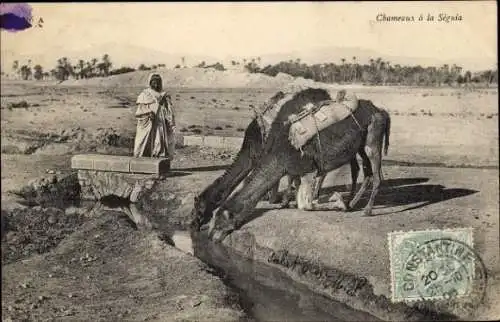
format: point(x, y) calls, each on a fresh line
point(155, 122)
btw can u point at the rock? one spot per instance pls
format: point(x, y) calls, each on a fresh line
point(135, 194)
point(71, 211)
point(52, 219)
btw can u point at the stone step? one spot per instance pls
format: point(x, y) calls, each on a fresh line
point(114, 163)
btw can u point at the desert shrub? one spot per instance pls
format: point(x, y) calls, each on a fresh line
point(21, 104)
point(218, 128)
point(122, 70)
point(240, 129)
point(196, 131)
point(229, 126)
point(184, 130)
point(236, 108)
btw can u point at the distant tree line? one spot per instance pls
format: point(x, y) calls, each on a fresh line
point(64, 69)
point(377, 72)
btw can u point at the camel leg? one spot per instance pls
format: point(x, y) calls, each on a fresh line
point(318, 182)
point(273, 193)
point(373, 149)
point(285, 200)
point(354, 176)
point(368, 175)
point(304, 195)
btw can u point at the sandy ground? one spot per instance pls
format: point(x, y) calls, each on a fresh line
point(453, 127)
point(108, 271)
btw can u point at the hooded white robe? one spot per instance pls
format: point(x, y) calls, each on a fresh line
point(155, 125)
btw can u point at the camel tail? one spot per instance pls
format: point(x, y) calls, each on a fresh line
point(387, 133)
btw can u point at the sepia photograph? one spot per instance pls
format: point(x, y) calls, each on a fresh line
point(250, 161)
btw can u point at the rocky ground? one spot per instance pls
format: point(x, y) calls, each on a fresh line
point(65, 262)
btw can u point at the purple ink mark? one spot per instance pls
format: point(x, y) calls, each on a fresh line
point(15, 16)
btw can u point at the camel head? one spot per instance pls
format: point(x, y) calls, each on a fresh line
point(201, 212)
point(221, 225)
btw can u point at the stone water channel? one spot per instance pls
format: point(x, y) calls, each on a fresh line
point(266, 293)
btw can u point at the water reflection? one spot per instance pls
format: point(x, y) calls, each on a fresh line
point(267, 293)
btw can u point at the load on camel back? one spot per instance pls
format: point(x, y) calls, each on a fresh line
point(313, 118)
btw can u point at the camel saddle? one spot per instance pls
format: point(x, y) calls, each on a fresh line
point(315, 117)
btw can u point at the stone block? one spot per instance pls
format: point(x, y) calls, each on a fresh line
point(213, 141)
point(113, 163)
point(193, 140)
point(82, 161)
point(149, 165)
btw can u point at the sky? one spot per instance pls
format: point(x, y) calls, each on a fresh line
point(253, 29)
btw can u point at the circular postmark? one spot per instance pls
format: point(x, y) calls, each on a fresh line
point(448, 273)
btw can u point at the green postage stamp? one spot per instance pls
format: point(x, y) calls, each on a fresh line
point(433, 265)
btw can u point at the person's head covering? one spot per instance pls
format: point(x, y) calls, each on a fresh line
point(149, 95)
point(153, 75)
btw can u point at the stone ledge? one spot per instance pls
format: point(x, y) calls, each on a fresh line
point(213, 141)
point(126, 164)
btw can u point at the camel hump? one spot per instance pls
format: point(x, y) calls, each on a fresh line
point(312, 120)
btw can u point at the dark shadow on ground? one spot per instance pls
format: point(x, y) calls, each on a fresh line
point(386, 183)
point(394, 192)
point(207, 168)
point(177, 173)
point(425, 195)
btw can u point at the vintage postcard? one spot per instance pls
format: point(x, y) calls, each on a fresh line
point(250, 161)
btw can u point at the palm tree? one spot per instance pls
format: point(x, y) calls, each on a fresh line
point(183, 59)
point(15, 67)
point(106, 64)
point(343, 69)
point(38, 72)
point(81, 68)
point(355, 65)
point(94, 61)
